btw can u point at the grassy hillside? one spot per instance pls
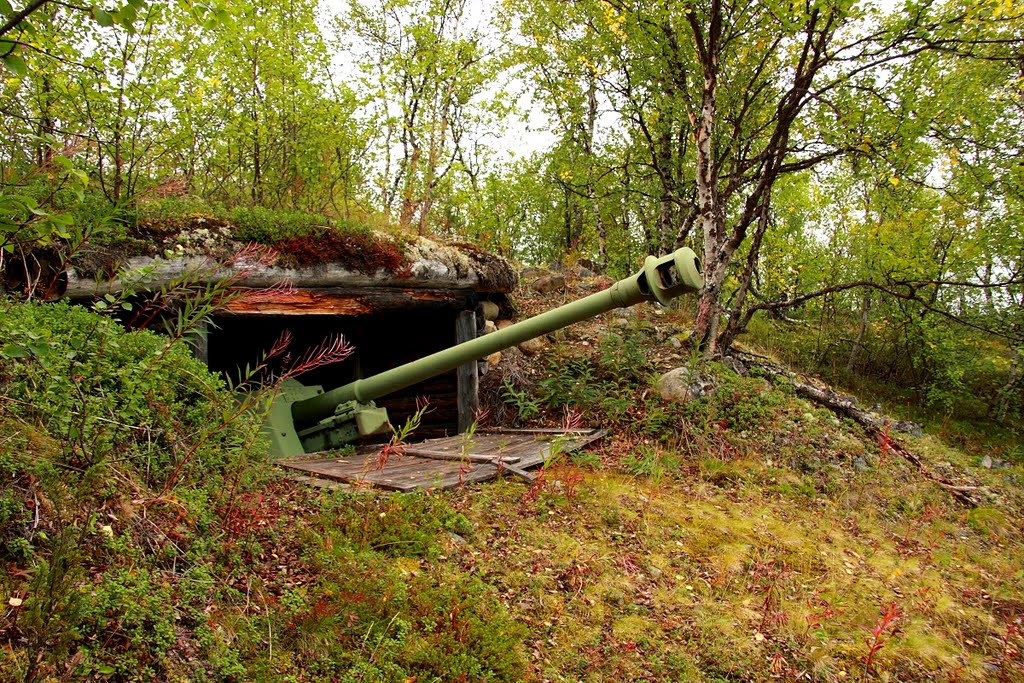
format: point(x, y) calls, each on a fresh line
point(744, 536)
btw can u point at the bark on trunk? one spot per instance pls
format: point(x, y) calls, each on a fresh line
point(865, 317)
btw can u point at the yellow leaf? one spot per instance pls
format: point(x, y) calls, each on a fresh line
point(895, 181)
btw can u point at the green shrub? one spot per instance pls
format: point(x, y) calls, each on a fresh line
point(604, 387)
point(174, 209)
point(270, 226)
point(106, 392)
point(738, 404)
point(396, 526)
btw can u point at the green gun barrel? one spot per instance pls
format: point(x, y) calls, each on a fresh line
point(662, 279)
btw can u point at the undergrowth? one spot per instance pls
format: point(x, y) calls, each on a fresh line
point(748, 535)
point(143, 537)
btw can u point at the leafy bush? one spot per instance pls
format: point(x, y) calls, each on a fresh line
point(271, 226)
point(603, 385)
point(104, 392)
point(738, 404)
point(175, 208)
point(117, 579)
point(397, 526)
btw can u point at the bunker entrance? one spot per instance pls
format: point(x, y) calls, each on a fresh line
point(380, 342)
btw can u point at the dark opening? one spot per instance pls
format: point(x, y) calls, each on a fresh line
point(382, 341)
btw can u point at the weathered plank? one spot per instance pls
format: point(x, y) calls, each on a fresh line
point(337, 301)
point(447, 462)
point(468, 378)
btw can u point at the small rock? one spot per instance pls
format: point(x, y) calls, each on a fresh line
point(489, 309)
point(620, 322)
point(489, 327)
point(531, 347)
point(1000, 465)
point(683, 385)
point(860, 464)
point(502, 324)
point(986, 462)
point(494, 358)
point(586, 272)
point(735, 364)
point(548, 284)
point(675, 342)
point(908, 427)
point(654, 572)
point(455, 538)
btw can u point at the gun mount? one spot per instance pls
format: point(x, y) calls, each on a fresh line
point(307, 419)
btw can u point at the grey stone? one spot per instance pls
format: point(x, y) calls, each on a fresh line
point(908, 427)
point(735, 364)
point(586, 272)
point(986, 462)
point(620, 322)
point(455, 538)
point(489, 309)
point(675, 342)
point(860, 464)
point(548, 284)
point(1000, 465)
point(683, 385)
point(531, 347)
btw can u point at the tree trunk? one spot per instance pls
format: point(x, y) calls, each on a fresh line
point(738, 319)
point(717, 253)
point(865, 311)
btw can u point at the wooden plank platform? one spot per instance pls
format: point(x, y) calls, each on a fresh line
point(445, 463)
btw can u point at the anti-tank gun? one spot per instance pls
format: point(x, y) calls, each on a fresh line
point(308, 419)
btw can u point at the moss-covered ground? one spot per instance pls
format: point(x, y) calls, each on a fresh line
point(745, 536)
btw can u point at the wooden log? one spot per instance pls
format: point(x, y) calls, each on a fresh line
point(363, 301)
point(468, 377)
point(875, 426)
point(459, 457)
point(522, 474)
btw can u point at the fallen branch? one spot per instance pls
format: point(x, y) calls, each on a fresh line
point(877, 427)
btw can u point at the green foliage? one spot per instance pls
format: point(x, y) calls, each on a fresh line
point(106, 393)
point(369, 617)
point(652, 461)
point(125, 613)
point(738, 404)
point(603, 385)
point(394, 526)
point(116, 579)
point(267, 226)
